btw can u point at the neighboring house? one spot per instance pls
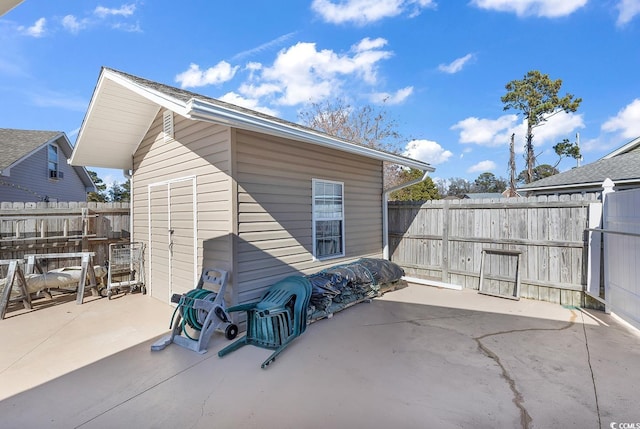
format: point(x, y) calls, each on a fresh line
point(622, 166)
point(482, 195)
point(218, 185)
point(33, 167)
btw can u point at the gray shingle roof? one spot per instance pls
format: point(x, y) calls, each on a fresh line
point(185, 96)
point(483, 195)
point(15, 144)
point(620, 167)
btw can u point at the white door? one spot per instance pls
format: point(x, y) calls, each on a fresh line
point(172, 237)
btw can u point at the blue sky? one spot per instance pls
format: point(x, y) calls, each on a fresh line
point(441, 66)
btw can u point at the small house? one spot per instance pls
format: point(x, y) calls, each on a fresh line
point(218, 185)
point(33, 167)
point(622, 166)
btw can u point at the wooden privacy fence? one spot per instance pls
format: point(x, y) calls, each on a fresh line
point(63, 227)
point(445, 239)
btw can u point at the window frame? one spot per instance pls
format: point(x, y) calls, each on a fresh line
point(56, 162)
point(315, 218)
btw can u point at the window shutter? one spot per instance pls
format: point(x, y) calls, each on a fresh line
point(167, 125)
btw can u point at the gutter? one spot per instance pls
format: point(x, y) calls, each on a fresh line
point(595, 186)
point(385, 210)
point(197, 109)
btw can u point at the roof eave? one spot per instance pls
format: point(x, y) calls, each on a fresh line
point(82, 172)
point(153, 95)
point(159, 99)
point(202, 110)
point(595, 185)
point(626, 148)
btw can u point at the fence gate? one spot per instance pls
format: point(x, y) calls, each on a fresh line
point(621, 227)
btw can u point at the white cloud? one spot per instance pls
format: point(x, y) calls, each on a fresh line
point(539, 8)
point(363, 12)
point(627, 121)
point(368, 44)
point(194, 77)
point(129, 28)
point(497, 132)
point(260, 90)
point(482, 167)
point(124, 10)
point(71, 24)
point(253, 104)
point(559, 126)
point(114, 18)
point(628, 10)
point(486, 132)
point(303, 74)
point(456, 65)
point(270, 44)
point(392, 99)
point(36, 30)
point(427, 151)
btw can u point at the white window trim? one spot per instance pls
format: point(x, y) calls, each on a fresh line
point(57, 162)
point(314, 219)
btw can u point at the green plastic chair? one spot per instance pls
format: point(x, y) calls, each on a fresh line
point(275, 320)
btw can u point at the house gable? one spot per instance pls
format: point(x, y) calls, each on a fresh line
point(24, 172)
point(622, 166)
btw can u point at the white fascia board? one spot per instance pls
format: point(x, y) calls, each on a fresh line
point(554, 187)
point(87, 115)
point(595, 185)
point(154, 96)
point(623, 149)
point(208, 112)
point(151, 94)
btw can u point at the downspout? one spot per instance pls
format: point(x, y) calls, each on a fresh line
point(385, 211)
point(127, 175)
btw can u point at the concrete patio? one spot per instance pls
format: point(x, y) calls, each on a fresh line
point(415, 358)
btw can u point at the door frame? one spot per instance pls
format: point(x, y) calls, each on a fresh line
point(168, 184)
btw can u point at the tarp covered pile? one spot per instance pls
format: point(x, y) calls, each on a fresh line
point(336, 287)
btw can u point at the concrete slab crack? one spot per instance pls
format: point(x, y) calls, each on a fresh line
point(518, 399)
point(525, 418)
point(593, 380)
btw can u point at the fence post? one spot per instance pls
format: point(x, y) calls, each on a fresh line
point(607, 188)
point(445, 242)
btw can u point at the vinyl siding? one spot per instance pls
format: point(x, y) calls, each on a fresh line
point(29, 181)
point(263, 217)
point(198, 149)
point(274, 177)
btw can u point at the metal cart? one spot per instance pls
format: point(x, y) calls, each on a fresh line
point(126, 268)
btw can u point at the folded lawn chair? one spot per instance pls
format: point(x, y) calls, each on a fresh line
point(275, 320)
